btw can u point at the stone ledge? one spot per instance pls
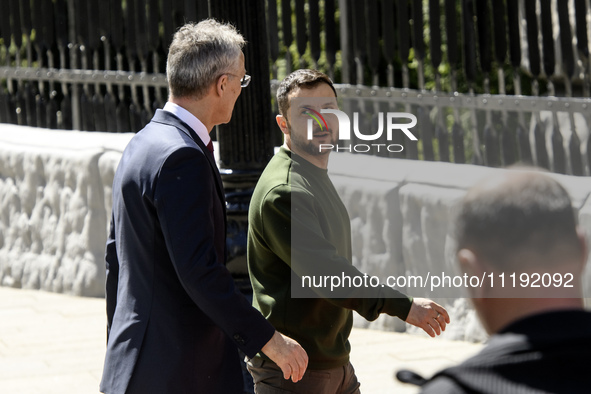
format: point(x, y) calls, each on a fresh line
point(55, 188)
point(55, 204)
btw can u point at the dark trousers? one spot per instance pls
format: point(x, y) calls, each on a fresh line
point(268, 379)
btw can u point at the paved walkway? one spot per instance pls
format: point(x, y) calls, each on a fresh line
point(52, 343)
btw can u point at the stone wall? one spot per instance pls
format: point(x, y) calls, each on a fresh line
point(54, 206)
point(55, 203)
point(402, 215)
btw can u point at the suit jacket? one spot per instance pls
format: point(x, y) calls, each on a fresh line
point(544, 353)
point(175, 318)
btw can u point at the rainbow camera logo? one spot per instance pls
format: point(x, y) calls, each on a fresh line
point(317, 117)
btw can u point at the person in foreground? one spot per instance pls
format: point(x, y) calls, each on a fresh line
point(295, 196)
point(175, 319)
point(523, 222)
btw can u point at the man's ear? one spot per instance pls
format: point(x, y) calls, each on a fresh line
point(467, 260)
point(221, 85)
point(472, 266)
point(282, 123)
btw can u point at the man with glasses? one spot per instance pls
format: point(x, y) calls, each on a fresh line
point(174, 317)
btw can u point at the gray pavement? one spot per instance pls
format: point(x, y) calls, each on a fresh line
point(53, 343)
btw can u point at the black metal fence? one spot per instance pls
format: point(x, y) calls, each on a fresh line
point(482, 76)
point(88, 65)
point(460, 45)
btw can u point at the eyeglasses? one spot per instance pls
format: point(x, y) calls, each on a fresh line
point(244, 81)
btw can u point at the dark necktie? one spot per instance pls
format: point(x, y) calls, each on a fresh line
point(210, 146)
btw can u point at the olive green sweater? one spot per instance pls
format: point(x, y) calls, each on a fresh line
point(298, 222)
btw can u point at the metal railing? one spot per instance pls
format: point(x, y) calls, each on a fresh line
point(483, 77)
point(492, 130)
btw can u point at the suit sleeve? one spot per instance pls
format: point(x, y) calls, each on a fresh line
point(311, 254)
point(183, 198)
point(112, 265)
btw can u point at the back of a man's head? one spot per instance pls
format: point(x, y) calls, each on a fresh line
point(518, 221)
point(199, 54)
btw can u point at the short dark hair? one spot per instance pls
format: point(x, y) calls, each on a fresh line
point(530, 214)
point(302, 78)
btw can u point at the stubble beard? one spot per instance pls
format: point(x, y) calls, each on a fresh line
point(307, 146)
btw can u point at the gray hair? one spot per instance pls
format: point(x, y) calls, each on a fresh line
point(199, 54)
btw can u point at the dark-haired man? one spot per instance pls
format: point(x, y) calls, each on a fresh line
point(522, 223)
point(297, 222)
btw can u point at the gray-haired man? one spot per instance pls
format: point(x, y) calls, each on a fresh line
point(175, 319)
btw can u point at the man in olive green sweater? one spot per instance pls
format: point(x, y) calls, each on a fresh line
point(299, 225)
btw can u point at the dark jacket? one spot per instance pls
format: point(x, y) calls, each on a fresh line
point(545, 353)
point(175, 318)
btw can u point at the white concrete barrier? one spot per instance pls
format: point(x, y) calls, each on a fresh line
point(402, 219)
point(55, 192)
point(55, 204)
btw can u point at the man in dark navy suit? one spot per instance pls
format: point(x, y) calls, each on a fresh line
point(175, 319)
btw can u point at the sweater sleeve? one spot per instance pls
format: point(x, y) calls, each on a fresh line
point(295, 234)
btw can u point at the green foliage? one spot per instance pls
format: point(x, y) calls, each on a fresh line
point(444, 70)
point(305, 60)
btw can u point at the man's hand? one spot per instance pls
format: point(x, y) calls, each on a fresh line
point(428, 315)
point(288, 355)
